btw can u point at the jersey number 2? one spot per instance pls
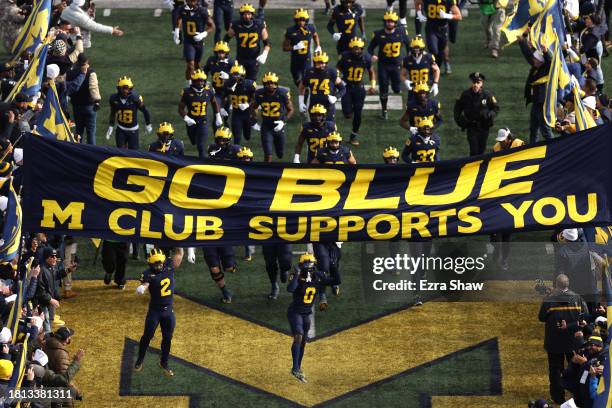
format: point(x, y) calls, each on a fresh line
point(165, 284)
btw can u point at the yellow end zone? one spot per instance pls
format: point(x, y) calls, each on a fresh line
point(255, 355)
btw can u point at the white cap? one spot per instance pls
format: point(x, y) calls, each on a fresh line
point(53, 71)
point(3, 202)
point(41, 357)
point(570, 234)
point(601, 319)
point(538, 55)
point(5, 335)
point(502, 134)
point(590, 102)
point(77, 3)
point(36, 321)
point(18, 155)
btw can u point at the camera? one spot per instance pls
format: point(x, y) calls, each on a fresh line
point(541, 288)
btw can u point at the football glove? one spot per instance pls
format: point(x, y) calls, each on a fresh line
point(434, 89)
point(256, 127)
point(218, 119)
point(299, 46)
point(337, 36)
point(263, 57)
point(191, 255)
point(279, 125)
point(176, 36)
point(408, 84)
point(141, 289)
point(200, 36)
point(332, 99)
point(414, 130)
point(224, 113)
point(148, 128)
point(421, 17)
point(109, 132)
point(302, 105)
point(446, 16)
point(296, 158)
point(243, 106)
point(223, 75)
point(189, 121)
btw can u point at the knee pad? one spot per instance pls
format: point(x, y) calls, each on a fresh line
point(216, 276)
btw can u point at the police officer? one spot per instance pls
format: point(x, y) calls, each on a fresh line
point(474, 112)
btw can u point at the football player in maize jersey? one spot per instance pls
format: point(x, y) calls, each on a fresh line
point(196, 25)
point(422, 107)
point(420, 66)
point(437, 14)
point(159, 279)
point(218, 67)
point(352, 66)
point(314, 133)
point(276, 109)
point(193, 108)
point(304, 284)
point(240, 92)
point(323, 85)
point(346, 16)
point(124, 107)
point(223, 149)
point(391, 155)
point(298, 38)
point(389, 41)
point(250, 33)
point(166, 143)
point(422, 146)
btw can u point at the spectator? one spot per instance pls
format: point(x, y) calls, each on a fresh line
point(590, 103)
point(114, 260)
point(80, 18)
point(10, 113)
point(587, 359)
point(6, 372)
point(49, 378)
point(86, 99)
point(561, 311)
point(56, 349)
point(492, 19)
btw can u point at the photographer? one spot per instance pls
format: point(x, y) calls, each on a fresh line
point(85, 100)
point(562, 311)
point(584, 368)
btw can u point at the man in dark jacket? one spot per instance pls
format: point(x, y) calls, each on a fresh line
point(474, 112)
point(561, 311)
point(86, 99)
point(47, 292)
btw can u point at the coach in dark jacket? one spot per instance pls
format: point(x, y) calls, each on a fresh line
point(561, 311)
point(47, 291)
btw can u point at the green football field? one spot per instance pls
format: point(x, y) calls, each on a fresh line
point(483, 366)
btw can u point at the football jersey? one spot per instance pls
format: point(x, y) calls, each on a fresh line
point(161, 285)
point(422, 149)
point(431, 10)
point(296, 34)
point(430, 111)
point(389, 45)
point(213, 67)
point(193, 21)
point(305, 292)
point(196, 102)
point(320, 83)
point(419, 70)
point(225, 153)
point(315, 136)
point(248, 39)
point(173, 147)
point(126, 109)
point(347, 21)
point(243, 92)
point(273, 106)
point(327, 156)
point(353, 68)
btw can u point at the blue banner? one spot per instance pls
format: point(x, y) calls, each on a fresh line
point(172, 201)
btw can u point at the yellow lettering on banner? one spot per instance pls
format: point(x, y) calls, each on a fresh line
point(356, 199)
point(169, 227)
point(208, 228)
point(113, 221)
point(349, 223)
point(518, 213)
point(419, 225)
point(52, 210)
point(475, 223)
point(289, 186)
point(415, 193)
point(496, 173)
point(572, 210)
point(443, 218)
point(145, 226)
point(538, 211)
point(299, 234)
point(321, 224)
point(393, 222)
point(261, 231)
point(181, 181)
point(151, 185)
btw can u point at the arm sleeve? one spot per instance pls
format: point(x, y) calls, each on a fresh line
point(543, 314)
point(294, 283)
point(83, 20)
point(94, 90)
point(146, 113)
point(31, 289)
point(78, 49)
point(75, 84)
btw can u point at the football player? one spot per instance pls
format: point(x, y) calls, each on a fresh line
point(159, 279)
point(323, 84)
point(346, 16)
point(420, 66)
point(166, 143)
point(314, 133)
point(389, 41)
point(246, 155)
point(218, 67)
point(193, 109)
point(298, 39)
point(175, 6)
point(436, 14)
point(276, 109)
point(223, 11)
point(196, 25)
point(422, 107)
point(124, 107)
point(333, 152)
point(250, 33)
point(402, 10)
point(304, 285)
point(424, 146)
point(240, 92)
point(223, 149)
point(352, 66)
point(391, 155)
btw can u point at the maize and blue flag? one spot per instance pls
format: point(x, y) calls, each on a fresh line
point(584, 120)
point(11, 234)
point(51, 121)
point(548, 22)
point(604, 396)
point(34, 30)
point(525, 14)
point(559, 82)
point(31, 80)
